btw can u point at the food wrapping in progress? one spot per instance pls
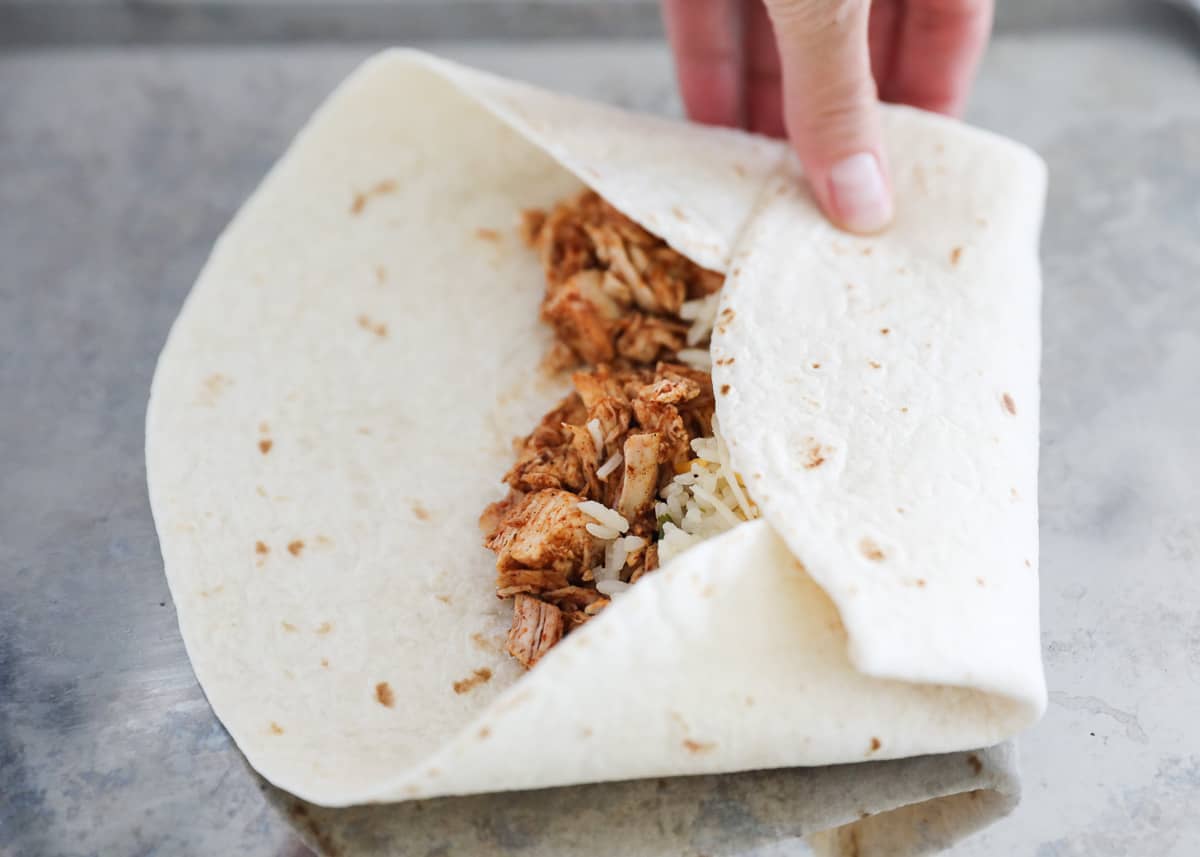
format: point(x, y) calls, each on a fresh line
point(510, 441)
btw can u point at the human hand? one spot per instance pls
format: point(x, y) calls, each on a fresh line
point(812, 70)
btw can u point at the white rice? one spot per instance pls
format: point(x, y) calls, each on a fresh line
point(608, 517)
point(605, 470)
point(611, 587)
point(593, 428)
point(702, 313)
point(602, 532)
point(706, 500)
point(697, 358)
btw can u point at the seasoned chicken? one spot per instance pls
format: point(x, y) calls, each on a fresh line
point(536, 626)
point(545, 530)
point(646, 338)
point(641, 475)
point(583, 316)
point(613, 295)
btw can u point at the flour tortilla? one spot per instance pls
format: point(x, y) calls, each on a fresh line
point(335, 405)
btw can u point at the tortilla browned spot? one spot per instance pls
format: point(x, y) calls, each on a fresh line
point(420, 511)
point(264, 446)
point(324, 628)
point(383, 693)
point(955, 255)
point(485, 234)
point(478, 677)
point(875, 744)
point(698, 746)
point(288, 626)
point(295, 547)
point(1009, 404)
point(361, 198)
point(275, 728)
point(379, 329)
point(871, 550)
point(261, 547)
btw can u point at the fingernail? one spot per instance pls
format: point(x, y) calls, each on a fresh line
point(860, 196)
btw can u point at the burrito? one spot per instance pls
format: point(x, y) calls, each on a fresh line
point(754, 493)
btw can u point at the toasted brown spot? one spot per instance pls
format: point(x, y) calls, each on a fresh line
point(980, 581)
point(325, 662)
point(1028, 564)
point(678, 213)
point(955, 255)
point(904, 410)
point(875, 364)
point(816, 365)
point(921, 582)
point(749, 701)
point(216, 383)
point(384, 695)
point(379, 329)
point(586, 732)
point(707, 592)
point(1009, 404)
point(478, 677)
point(484, 732)
point(816, 456)
point(361, 198)
point(698, 746)
point(899, 510)
point(482, 642)
point(264, 428)
point(261, 547)
point(288, 626)
point(275, 728)
point(875, 744)
point(295, 547)
point(871, 550)
point(867, 251)
point(445, 599)
point(324, 540)
point(324, 628)
point(485, 234)
point(885, 330)
point(364, 430)
point(976, 765)
point(380, 274)
point(724, 389)
point(725, 361)
point(264, 445)
point(204, 593)
point(420, 511)
point(727, 315)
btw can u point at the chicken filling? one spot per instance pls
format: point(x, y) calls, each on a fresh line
point(628, 469)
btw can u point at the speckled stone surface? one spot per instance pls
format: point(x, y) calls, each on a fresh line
point(118, 169)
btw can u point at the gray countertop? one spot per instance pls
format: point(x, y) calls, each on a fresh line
point(117, 171)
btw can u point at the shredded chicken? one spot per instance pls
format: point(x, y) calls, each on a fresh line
point(536, 627)
point(613, 296)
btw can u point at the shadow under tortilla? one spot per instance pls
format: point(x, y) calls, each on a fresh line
point(899, 807)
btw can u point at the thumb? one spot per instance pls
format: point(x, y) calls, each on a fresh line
point(830, 107)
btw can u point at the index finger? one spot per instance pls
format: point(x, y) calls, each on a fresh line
point(706, 40)
point(941, 43)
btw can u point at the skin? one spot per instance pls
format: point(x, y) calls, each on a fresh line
point(814, 70)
